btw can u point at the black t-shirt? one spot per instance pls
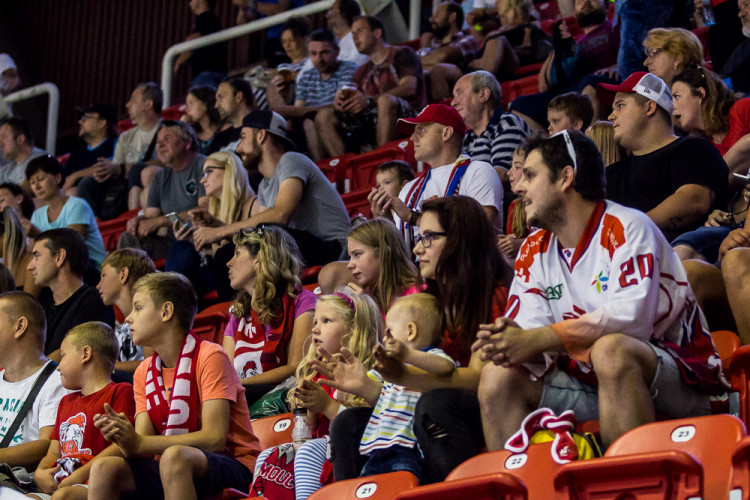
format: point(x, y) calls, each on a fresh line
point(84, 157)
point(213, 57)
point(83, 306)
point(643, 182)
point(738, 68)
point(223, 138)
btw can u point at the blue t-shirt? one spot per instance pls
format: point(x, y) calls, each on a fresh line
point(75, 211)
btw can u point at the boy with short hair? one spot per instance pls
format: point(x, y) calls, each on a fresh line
point(571, 111)
point(120, 270)
point(88, 353)
point(22, 330)
point(201, 429)
point(414, 327)
point(390, 177)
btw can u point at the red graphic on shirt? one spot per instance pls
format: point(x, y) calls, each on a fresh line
point(71, 435)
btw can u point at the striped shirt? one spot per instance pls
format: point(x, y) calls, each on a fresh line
point(503, 135)
point(392, 420)
point(315, 91)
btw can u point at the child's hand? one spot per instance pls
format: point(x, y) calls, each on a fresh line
point(117, 429)
point(45, 479)
point(312, 396)
point(343, 371)
point(394, 348)
point(389, 368)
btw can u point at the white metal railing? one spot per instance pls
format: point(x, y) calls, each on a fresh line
point(53, 108)
point(252, 27)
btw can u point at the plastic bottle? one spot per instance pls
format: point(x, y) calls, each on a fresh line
point(707, 13)
point(301, 432)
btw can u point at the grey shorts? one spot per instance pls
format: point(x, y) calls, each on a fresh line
point(671, 395)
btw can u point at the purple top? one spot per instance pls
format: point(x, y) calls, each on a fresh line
point(304, 302)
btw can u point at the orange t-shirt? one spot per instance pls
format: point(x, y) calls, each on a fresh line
point(216, 380)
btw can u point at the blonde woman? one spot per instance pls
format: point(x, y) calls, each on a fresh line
point(669, 50)
point(230, 199)
point(15, 253)
point(272, 314)
point(602, 133)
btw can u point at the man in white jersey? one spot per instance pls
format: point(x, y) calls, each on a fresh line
point(600, 317)
point(22, 332)
point(438, 133)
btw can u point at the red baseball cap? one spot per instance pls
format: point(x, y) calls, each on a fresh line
point(434, 113)
point(648, 85)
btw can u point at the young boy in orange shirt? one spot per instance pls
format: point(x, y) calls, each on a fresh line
point(190, 407)
point(88, 353)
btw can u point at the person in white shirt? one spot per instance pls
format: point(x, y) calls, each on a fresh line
point(340, 17)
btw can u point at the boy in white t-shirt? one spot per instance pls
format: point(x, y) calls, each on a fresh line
point(22, 332)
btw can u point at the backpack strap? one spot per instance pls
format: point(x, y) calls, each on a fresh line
point(40, 380)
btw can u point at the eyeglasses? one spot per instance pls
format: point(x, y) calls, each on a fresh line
point(650, 53)
point(210, 170)
point(426, 238)
point(571, 150)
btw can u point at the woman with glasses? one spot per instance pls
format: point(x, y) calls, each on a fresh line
point(231, 199)
point(272, 315)
point(704, 106)
point(461, 264)
point(669, 50)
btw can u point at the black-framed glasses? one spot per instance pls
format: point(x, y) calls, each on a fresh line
point(260, 229)
point(426, 238)
point(571, 150)
point(651, 53)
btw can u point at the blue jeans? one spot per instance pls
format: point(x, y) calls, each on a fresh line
point(706, 240)
point(394, 459)
point(637, 17)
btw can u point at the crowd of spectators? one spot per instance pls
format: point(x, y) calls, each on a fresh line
point(465, 302)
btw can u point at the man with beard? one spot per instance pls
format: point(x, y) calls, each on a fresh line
point(567, 66)
point(600, 319)
point(445, 42)
point(234, 101)
point(675, 181)
point(737, 67)
point(294, 192)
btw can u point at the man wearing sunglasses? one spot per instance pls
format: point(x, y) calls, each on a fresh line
point(600, 319)
point(676, 181)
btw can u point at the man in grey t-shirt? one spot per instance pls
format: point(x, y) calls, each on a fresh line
point(294, 191)
point(176, 188)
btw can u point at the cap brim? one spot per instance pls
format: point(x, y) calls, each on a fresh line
point(605, 92)
point(290, 143)
point(406, 126)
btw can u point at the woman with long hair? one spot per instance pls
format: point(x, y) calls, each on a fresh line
point(230, 199)
point(380, 263)
point(460, 261)
point(272, 314)
point(15, 252)
point(201, 113)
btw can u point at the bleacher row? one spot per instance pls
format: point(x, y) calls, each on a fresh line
point(702, 457)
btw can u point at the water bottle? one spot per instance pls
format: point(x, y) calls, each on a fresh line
point(707, 13)
point(301, 432)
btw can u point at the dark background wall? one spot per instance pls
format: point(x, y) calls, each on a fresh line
point(98, 50)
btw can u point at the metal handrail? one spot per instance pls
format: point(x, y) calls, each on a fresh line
point(53, 108)
point(252, 27)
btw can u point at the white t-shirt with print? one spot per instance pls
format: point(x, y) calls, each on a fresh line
point(41, 414)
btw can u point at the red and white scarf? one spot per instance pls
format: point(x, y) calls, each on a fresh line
point(564, 449)
point(179, 415)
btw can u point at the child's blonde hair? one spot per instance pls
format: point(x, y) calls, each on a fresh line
point(364, 325)
point(279, 264)
point(100, 338)
point(603, 135)
point(426, 312)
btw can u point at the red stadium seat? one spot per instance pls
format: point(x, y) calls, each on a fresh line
point(498, 486)
point(273, 431)
point(709, 439)
point(380, 487)
point(739, 376)
point(332, 168)
point(124, 125)
point(174, 112)
point(740, 484)
point(726, 343)
point(357, 204)
point(210, 326)
point(648, 476)
point(112, 229)
point(63, 159)
point(530, 69)
point(514, 88)
point(310, 274)
point(548, 10)
point(535, 468)
point(220, 308)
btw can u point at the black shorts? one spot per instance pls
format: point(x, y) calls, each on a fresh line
point(223, 472)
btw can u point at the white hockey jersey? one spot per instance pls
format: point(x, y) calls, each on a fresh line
point(622, 277)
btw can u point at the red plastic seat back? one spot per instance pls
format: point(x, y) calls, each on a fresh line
point(726, 343)
point(357, 203)
point(273, 431)
point(498, 486)
point(380, 487)
point(210, 326)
